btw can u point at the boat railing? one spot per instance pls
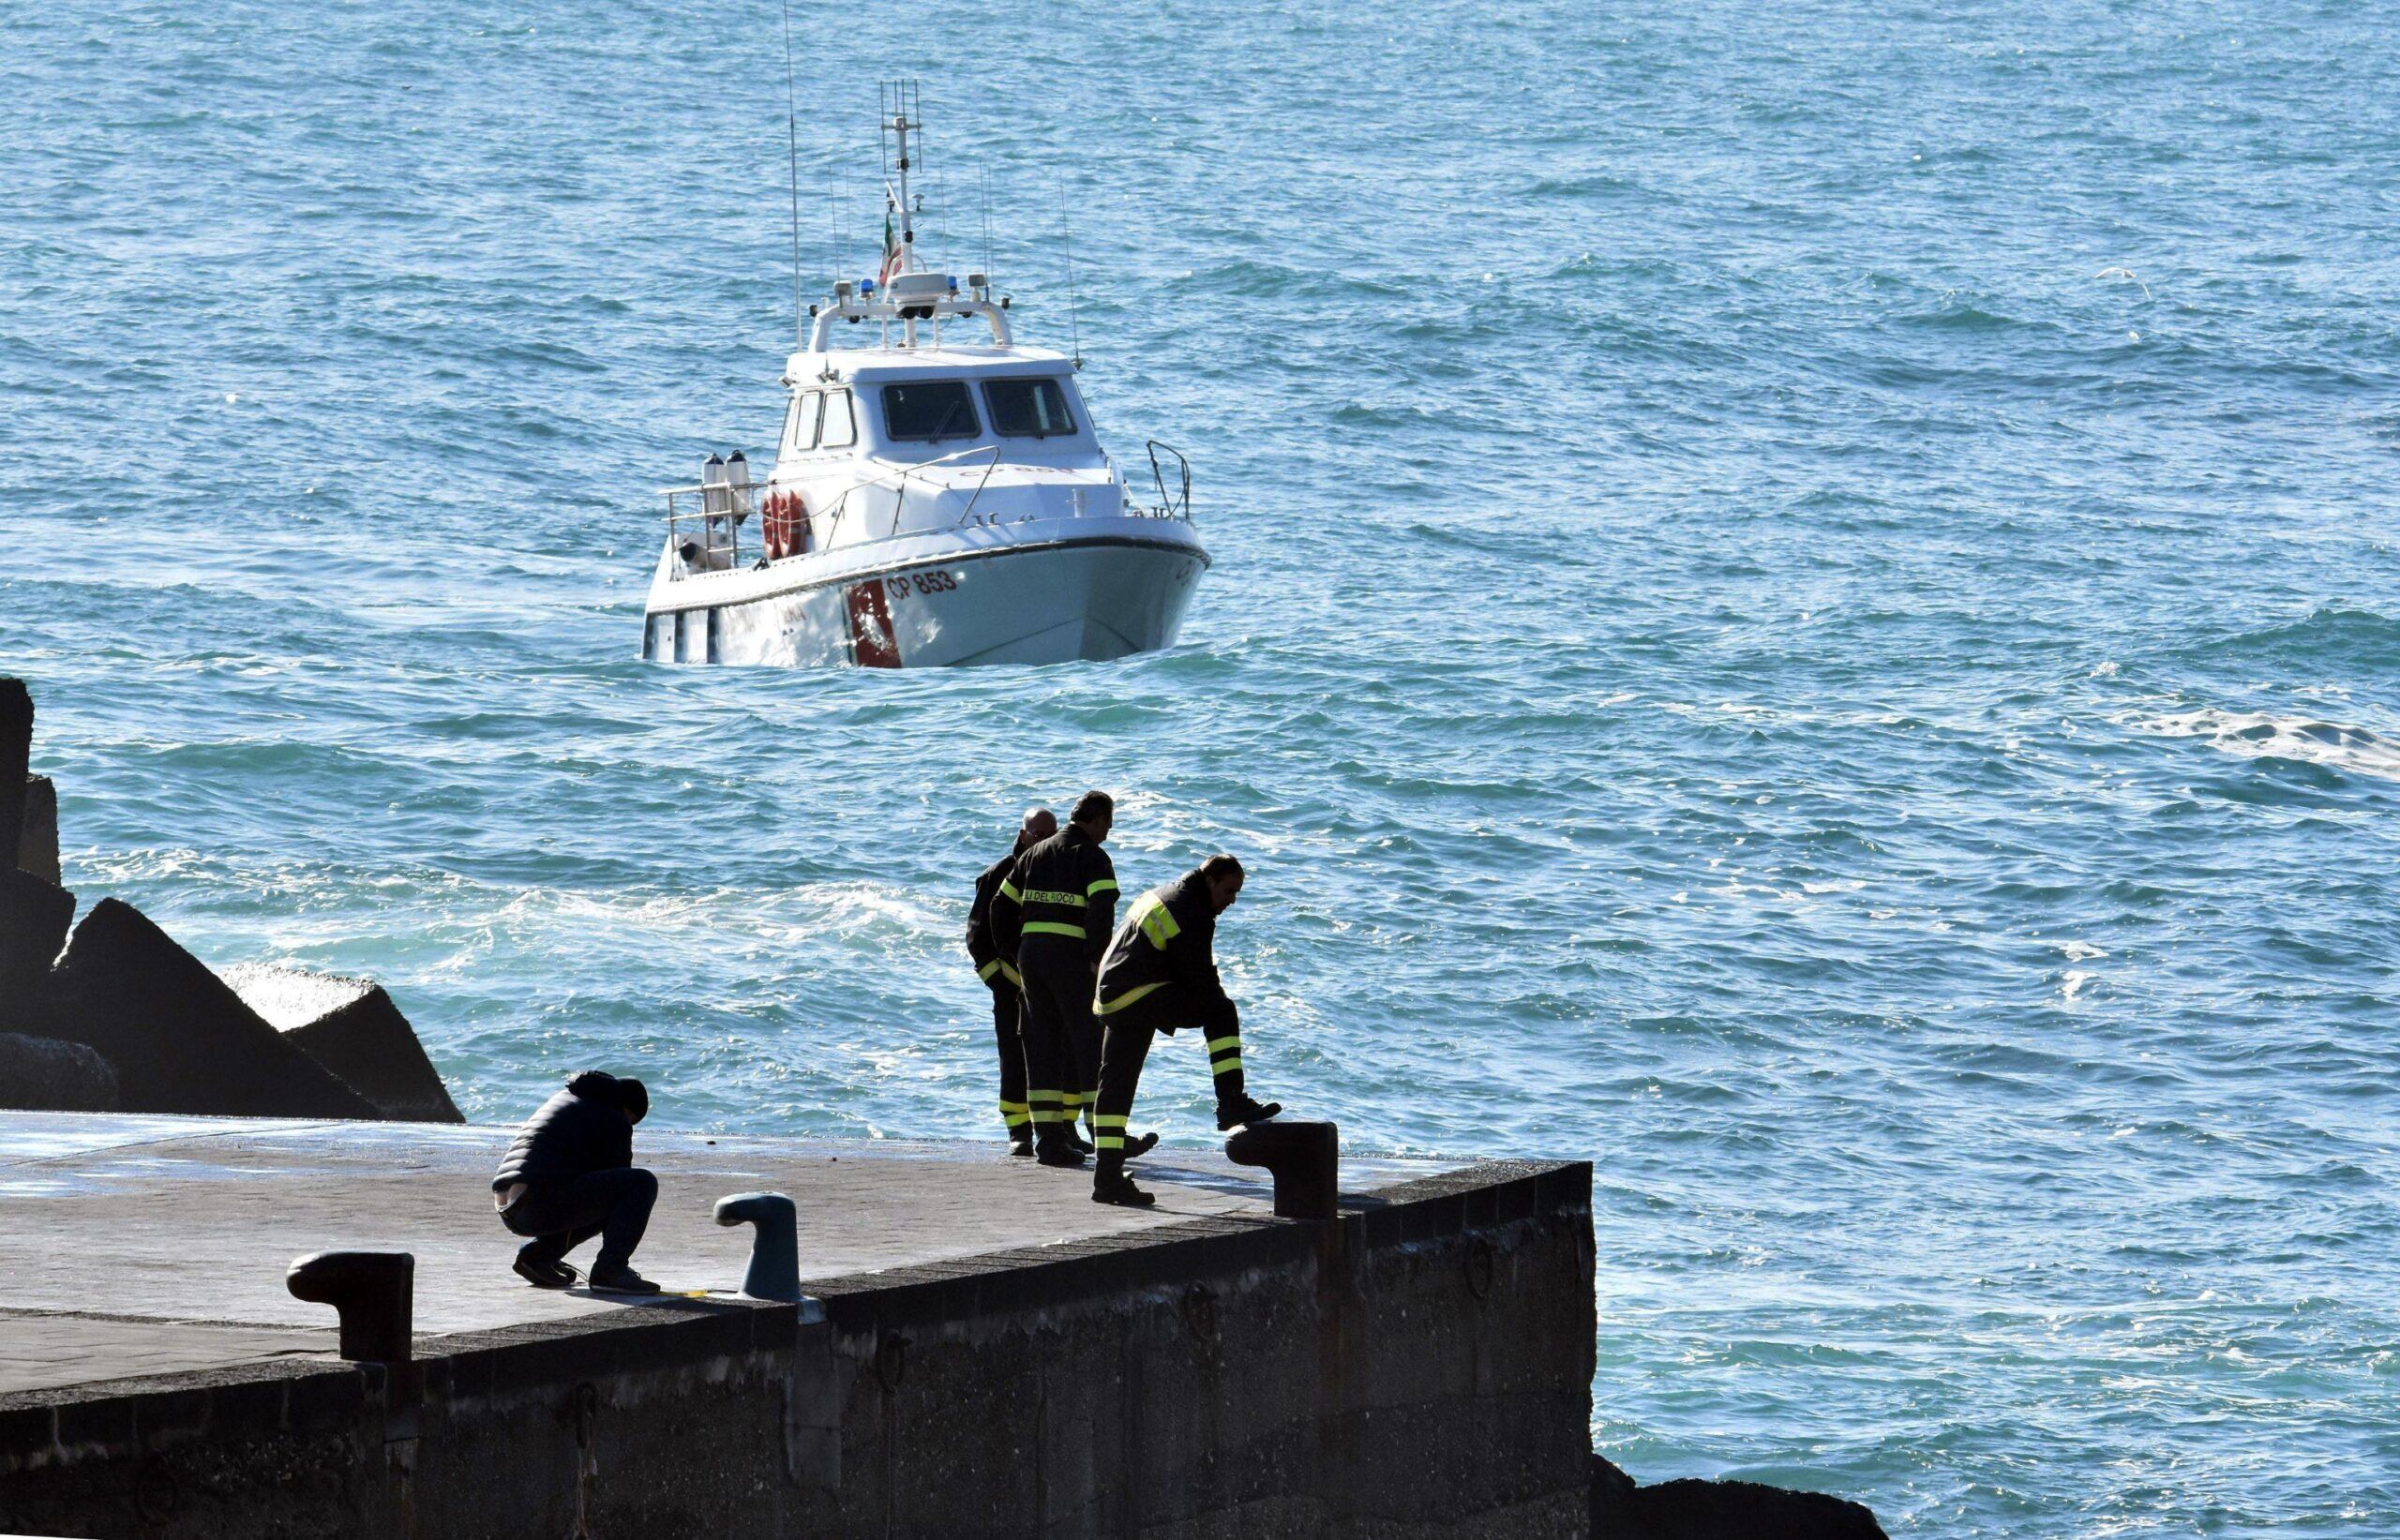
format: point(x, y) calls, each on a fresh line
point(1175, 504)
point(705, 521)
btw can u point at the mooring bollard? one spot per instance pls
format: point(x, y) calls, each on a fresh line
point(775, 1251)
point(373, 1291)
point(1305, 1159)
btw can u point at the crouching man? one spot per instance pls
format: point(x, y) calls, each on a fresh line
point(1161, 974)
point(569, 1176)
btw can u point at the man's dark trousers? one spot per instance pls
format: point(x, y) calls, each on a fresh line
point(561, 1216)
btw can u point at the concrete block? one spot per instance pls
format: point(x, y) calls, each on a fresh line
point(45, 1075)
point(38, 844)
point(16, 743)
point(352, 1030)
point(33, 918)
point(181, 1040)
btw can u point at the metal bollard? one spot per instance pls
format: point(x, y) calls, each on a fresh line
point(774, 1252)
point(373, 1291)
point(1305, 1159)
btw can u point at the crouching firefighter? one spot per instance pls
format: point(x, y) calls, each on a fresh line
point(1053, 913)
point(1161, 974)
point(998, 972)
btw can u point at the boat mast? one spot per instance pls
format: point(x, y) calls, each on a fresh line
point(900, 101)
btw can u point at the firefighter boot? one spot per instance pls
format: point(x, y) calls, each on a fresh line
point(1110, 1184)
point(1052, 1149)
point(1244, 1109)
point(1021, 1141)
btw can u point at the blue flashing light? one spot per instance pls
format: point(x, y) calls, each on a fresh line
point(954, 283)
point(866, 286)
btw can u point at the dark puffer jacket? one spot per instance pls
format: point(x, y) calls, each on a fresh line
point(582, 1129)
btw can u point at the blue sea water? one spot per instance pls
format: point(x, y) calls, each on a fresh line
point(1805, 608)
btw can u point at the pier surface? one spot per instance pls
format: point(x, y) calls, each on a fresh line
point(143, 1245)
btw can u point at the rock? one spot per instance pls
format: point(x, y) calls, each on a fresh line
point(38, 844)
point(1719, 1510)
point(180, 1041)
point(45, 1075)
point(33, 917)
point(16, 742)
point(351, 1027)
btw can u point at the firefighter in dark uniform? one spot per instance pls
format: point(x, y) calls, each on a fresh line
point(999, 974)
point(1161, 974)
point(1053, 910)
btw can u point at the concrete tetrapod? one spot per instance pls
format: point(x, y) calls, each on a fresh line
point(373, 1291)
point(775, 1251)
point(1304, 1158)
point(37, 846)
point(16, 743)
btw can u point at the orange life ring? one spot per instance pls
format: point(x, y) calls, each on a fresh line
point(785, 521)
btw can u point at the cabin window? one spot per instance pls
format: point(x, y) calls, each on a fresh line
point(800, 428)
point(925, 411)
point(1028, 408)
point(841, 428)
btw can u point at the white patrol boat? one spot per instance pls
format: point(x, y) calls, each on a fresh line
point(936, 498)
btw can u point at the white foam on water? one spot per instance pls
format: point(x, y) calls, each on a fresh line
point(2257, 735)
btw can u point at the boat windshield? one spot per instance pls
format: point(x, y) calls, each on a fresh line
point(1028, 408)
point(926, 410)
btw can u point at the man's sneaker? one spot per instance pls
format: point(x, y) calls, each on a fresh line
point(1115, 1186)
point(1142, 1145)
point(1233, 1115)
point(1021, 1141)
point(543, 1274)
point(620, 1279)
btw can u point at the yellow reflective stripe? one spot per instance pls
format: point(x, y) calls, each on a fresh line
point(1109, 1008)
point(1110, 1120)
point(1219, 1044)
point(1042, 895)
point(1104, 885)
point(1014, 1114)
point(988, 969)
point(1156, 922)
point(1225, 1065)
point(1009, 972)
point(1108, 1142)
point(1051, 927)
point(1009, 891)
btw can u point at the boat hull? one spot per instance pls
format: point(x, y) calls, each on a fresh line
point(1088, 598)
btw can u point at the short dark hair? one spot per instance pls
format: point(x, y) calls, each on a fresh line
point(1219, 866)
point(633, 1096)
point(1093, 804)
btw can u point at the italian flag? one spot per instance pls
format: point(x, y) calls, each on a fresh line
point(892, 255)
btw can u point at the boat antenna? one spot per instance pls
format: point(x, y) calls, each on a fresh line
point(987, 224)
point(791, 140)
point(1067, 242)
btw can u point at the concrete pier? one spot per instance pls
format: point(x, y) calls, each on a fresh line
point(984, 1350)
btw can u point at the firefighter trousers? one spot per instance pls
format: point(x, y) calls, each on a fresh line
point(1008, 1031)
point(1061, 1039)
point(1127, 1045)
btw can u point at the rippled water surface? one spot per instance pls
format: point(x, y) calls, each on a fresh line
point(1806, 609)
